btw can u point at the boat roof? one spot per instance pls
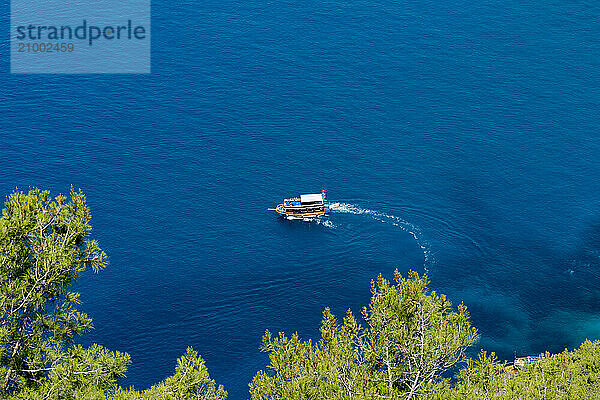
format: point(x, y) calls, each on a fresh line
point(311, 198)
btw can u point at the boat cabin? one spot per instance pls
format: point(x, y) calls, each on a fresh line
point(305, 206)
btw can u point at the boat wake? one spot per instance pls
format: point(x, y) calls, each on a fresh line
point(347, 208)
point(406, 226)
point(319, 221)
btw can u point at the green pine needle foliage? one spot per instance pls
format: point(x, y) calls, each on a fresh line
point(406, 339)
point(411, 337)
point(45, 245)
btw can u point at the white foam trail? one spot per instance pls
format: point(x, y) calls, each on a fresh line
point(319, 221)
point(325, 222)
point(406, 226)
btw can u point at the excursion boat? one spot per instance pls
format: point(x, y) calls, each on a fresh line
point(304, 206)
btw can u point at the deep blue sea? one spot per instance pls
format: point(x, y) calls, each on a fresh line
point(461, 137)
